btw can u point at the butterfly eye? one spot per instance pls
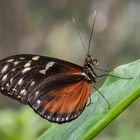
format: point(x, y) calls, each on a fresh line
point(95, 62)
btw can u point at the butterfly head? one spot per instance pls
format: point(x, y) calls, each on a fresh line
point(89, 60)
point(89, 65)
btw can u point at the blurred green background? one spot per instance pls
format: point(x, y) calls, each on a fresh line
point(45, 27)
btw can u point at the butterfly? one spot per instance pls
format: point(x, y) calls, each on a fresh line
point(57, 90)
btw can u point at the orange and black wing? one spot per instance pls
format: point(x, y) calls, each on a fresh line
point(54, 88)
point(61, 100)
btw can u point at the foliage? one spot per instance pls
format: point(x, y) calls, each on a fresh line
point(120, 94)
point(21, 125)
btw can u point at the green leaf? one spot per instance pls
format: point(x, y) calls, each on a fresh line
point(16, 124)
point(119, 92)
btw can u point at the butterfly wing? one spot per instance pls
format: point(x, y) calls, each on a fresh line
point(55, 89)
point(63, 101)
point(19, 74)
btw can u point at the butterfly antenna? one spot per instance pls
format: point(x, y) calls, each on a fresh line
point(76, 26)
point(94, 18)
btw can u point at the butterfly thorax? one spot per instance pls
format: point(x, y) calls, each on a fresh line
point(89, 68)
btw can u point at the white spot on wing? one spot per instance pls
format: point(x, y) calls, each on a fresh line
point(32, 83)
point(2, 88)
point(19, 96)
point(21, 58)
point(20, 81)
point(23, 92)
point(27, 64)
point(57, 119)
point(10, 60)
point(9, 93)
point(4, 68)
point(13, 69)
point(36, 93)
point(62, 119)
point(7, 84)
point(50, 64)
point(42, 71)
point(11, 80)
point(4, 77)
point(25, 70)
point(38, 101)
point(14, 89)
point(67, 118)
point(35, 57)
point(16, 63)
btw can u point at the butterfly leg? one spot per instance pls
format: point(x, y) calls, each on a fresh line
point(103, 97)
point(127, 78)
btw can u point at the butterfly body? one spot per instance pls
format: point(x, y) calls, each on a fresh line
point(56, 89)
